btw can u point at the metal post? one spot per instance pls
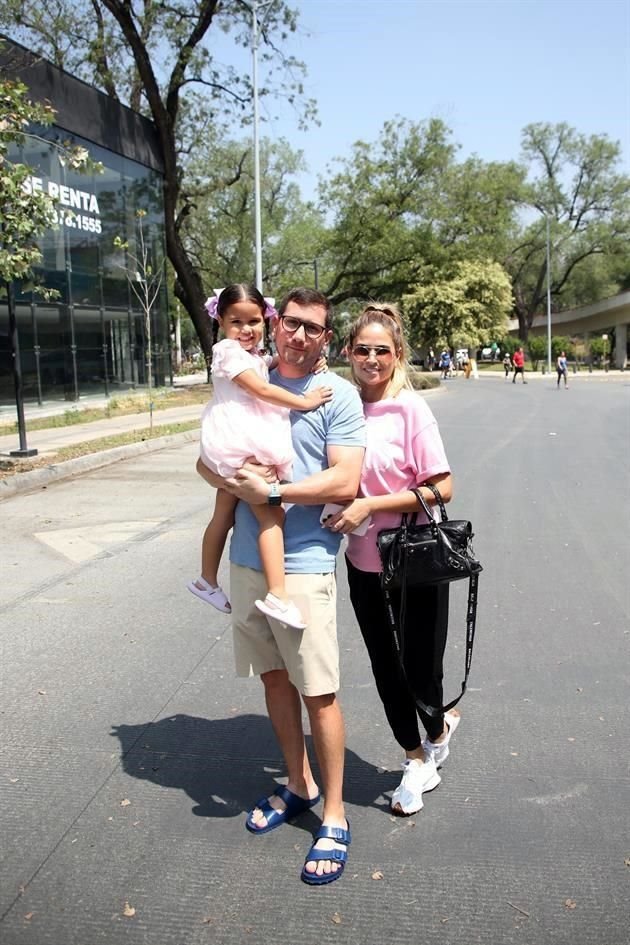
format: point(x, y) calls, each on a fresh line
point(23, 451)
point(257, 218)
point(101, 309)
point(257, 222)
point(548, 299)
point(316, 274)
point(36, 351)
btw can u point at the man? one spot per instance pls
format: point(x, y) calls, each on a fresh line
point(518, 360)
point(329, 445)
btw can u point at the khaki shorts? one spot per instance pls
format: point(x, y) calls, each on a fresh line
point(311, 656)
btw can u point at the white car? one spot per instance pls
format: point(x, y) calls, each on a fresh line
point(461, 356)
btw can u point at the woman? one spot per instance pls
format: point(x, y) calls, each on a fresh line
point(404, 450)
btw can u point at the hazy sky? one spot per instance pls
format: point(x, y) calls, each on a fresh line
point(486, 67)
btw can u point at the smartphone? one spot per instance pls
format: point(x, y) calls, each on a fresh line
point(332, 508)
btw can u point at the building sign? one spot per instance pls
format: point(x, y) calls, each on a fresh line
point(75, 208)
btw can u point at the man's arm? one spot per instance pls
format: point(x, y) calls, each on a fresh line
point(339, 483)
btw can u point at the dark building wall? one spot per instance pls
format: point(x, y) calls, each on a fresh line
point(93, 336)
point(83, 110)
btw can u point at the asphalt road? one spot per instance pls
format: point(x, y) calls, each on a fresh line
point(130, 752)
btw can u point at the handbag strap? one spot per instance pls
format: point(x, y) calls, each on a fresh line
point(399, 635)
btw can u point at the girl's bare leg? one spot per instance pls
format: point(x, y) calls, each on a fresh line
point(271, 547)
point(215, 536)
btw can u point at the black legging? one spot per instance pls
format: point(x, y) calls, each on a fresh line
point(425, 641)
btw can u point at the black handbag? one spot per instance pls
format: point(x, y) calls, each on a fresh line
point(436, 552)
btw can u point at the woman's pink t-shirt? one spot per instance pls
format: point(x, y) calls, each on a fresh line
point(404, 449)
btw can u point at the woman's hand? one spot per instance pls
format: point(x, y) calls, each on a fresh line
point(344, 522)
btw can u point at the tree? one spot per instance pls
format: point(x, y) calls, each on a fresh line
point(460, 305)
point(402, 208)
point(123, 48)
point(26, 213)
point(144, 270)
point(381, 202)
point(219, 235)
point(579, 190)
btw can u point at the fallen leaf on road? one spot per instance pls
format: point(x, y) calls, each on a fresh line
point(29, 916)
point(125, 802)
point(128, 910)
point(41, 692)
point(336, 918)
point(377, 874)
point(570, 903)
point(626, 862)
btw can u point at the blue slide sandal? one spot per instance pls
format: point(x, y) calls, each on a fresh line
point(296, 805)
point(338, 856)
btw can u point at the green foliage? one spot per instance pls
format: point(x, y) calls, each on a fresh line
point(576, 184)
point(459, 305)
point(379, 202)
point(598, 347)
point(537, 348)
point(220, 232)
point(26, 212)
point(560, 343)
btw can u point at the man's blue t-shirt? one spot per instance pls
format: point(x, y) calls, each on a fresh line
point(308, 548)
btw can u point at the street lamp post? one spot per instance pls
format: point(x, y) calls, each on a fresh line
point(23, 450)
point(548, 299)
point(257, 221)
point(310, 262)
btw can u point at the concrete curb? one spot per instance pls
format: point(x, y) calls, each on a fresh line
point(47, 475)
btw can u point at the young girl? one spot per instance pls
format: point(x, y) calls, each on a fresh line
point(247, 417)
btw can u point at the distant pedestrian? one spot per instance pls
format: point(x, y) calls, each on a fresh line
point(562, 369)
point(507, 364)
point(518, 361)
point(431, 359)
point(445, 363)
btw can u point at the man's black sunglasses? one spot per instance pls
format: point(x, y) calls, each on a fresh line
point(292, 324)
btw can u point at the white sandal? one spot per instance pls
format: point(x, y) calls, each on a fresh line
point(284, 611)
point(209, 594)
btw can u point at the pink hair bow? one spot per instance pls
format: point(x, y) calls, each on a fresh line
point(211, 304)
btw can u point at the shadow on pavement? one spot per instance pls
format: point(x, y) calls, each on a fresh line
point(225, 765)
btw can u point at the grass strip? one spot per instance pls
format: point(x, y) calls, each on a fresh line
point(11, 467)
point(117, 407)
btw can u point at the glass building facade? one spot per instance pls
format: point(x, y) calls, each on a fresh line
point(94, 337)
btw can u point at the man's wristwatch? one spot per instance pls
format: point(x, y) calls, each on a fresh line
point(274, 497)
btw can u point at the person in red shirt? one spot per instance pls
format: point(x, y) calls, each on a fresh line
point(518, 360)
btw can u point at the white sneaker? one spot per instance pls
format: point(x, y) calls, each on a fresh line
point(440, 752)
point(418, 777)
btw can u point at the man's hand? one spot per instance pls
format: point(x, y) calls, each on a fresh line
point(268, 473)
point(248, 486)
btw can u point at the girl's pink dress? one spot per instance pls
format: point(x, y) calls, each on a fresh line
point(235, 425)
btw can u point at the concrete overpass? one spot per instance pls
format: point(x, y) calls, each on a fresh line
point(598, 318)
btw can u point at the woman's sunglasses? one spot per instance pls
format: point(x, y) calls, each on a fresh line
point(381, 352)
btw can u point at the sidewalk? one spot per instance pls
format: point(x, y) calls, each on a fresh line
point(49, 442)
